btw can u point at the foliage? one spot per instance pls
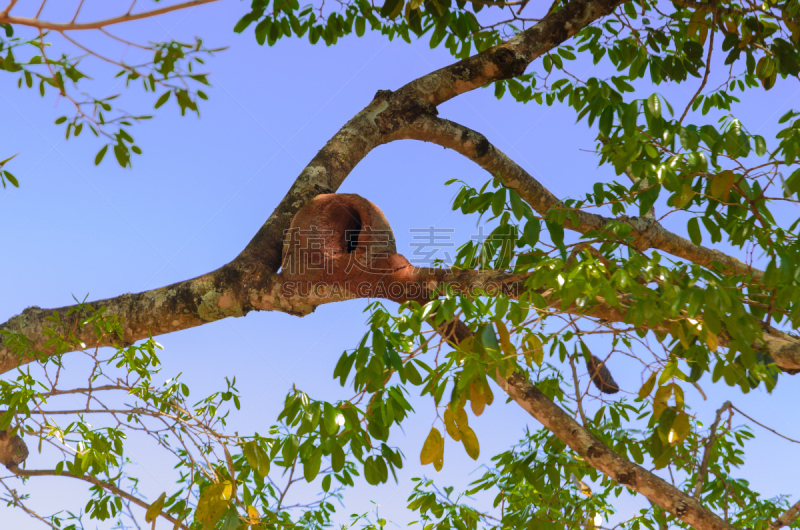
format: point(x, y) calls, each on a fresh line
point(687, 324)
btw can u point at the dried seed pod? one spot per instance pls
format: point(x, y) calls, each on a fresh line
point(13, 450)
point(600, 375)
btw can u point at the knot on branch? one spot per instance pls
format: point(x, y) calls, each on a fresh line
point(13, 450)
point(509, 63)
point(645, 231)
point(342, 246)
point(402, 110)
point(382, 95)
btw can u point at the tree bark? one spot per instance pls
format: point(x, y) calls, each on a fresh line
point(595, 452)
point(250, 281)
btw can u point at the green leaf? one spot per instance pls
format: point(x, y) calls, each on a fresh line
point(606, 121)
point(330, 417)
point(488, 340)
point(11, 178)
point(694, 231)
point(792, 184)
point(3, 162)
point(412, 374)
point(378, 343)
point(654, 105)
point(337, 458)
point(629, 118)
point(680, 200)
point(498, 201)
point(517, 206)
point(163, 99)
point(760, 144)
point(556, 233)
point(530, 233)
point(262, 30)
point(392, 8)
point(312, 465)
point(100, 154)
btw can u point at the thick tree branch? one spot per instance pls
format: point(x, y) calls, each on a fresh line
point(250, 281)
point(646, 233)
point(602, 458)
point(595, 452)
point(225, 293)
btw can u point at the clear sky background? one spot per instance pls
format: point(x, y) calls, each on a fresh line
point(204, 186)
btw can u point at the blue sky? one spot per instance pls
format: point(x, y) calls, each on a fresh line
point(204, 186)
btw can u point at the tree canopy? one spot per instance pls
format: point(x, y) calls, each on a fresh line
point(685, 265)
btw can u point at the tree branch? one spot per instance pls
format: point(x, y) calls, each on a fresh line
point(787, 518)
point(716, 9)
point(97, 482)
point(250, 281)
point(712, 437)
point(595, 452)
point(646, 233)
point(5, 18)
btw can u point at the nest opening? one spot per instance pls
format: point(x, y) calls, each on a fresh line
point(352, 231)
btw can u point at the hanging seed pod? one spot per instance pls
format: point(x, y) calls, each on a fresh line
point(600, 375)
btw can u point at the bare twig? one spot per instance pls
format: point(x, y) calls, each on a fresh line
point(773, 431)
point(97, 24)
point(97, 482)
point(712, 437)
point(708, 68)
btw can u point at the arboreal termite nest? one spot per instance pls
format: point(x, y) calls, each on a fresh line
point(344, 241)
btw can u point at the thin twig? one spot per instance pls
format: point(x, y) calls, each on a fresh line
point(97, 482)
point(773, 431)
point(18, 503)
point(708, 68)
point(578, 397)
point(712, 437)
point(71, 26)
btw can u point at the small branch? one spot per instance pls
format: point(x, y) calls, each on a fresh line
point(578, 397)
point(95, 481)
point(773, 431)
point(787, 518)
point(8, 8)
point(713, 8)
point(18, 503)
point(595, 452)
point(712, 437)
point(708, 68)
point(73, 26)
